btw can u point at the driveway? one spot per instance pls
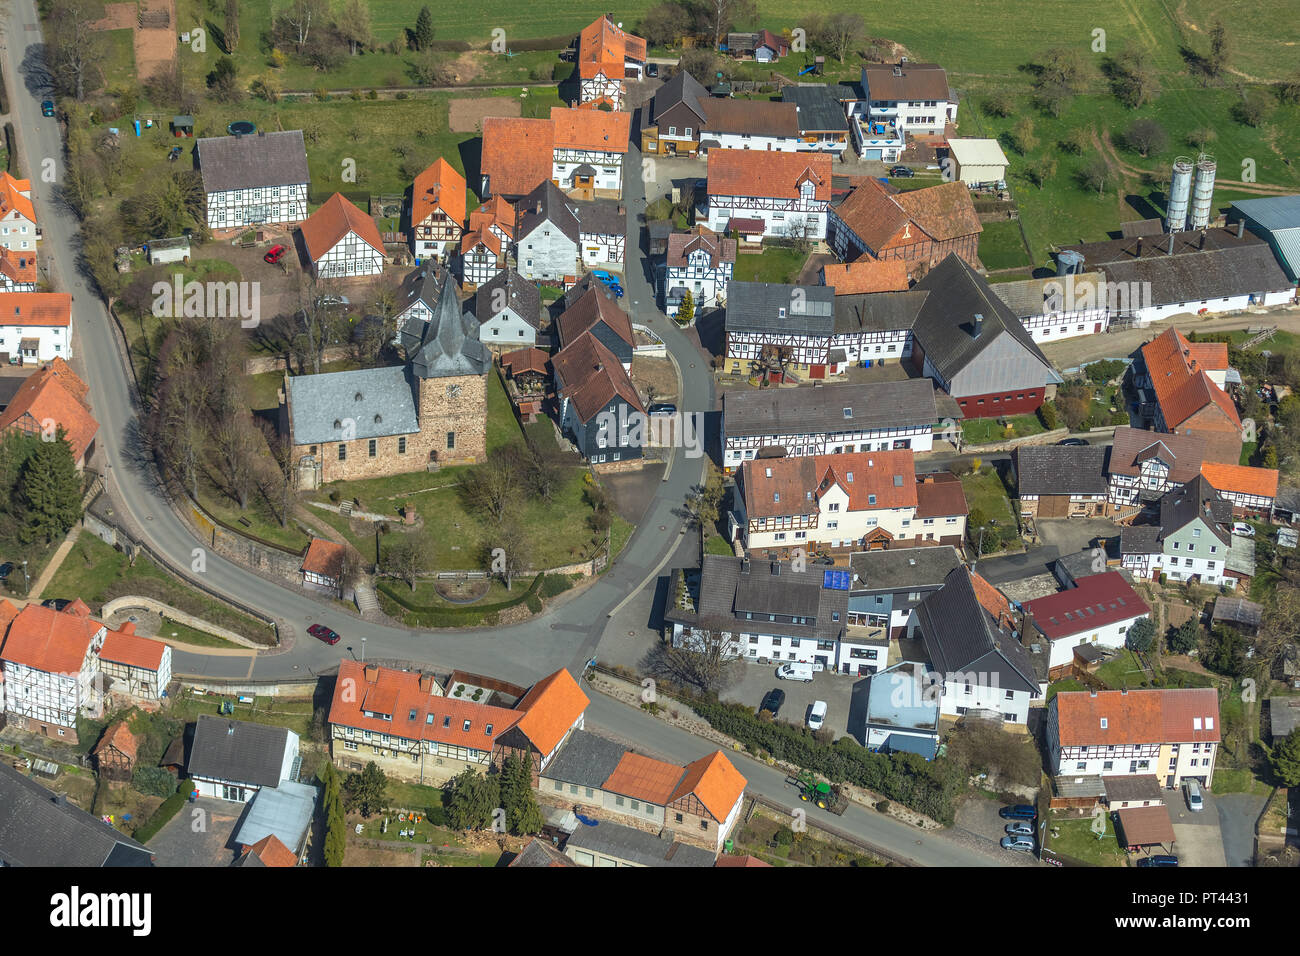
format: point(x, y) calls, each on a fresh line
point(1197, 837)
point(835, 689)
point(1058, 537)
point(201, 834)
point(1237, 814)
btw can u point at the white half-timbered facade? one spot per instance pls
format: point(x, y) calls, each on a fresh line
point(598, 171)
point(350, 256)
point(262, 205)
point(1250, 491)
point(607, 55)
point(481, 257)
point(602, 233)
point(252, 180)
point(1144, 465)
point(1058, 308)
point(51, 670)
point(789, 192)
point(342, 241)
point(698, 262)
point(437, 210)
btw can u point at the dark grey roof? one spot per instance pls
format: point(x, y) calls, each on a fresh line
point(946, 323)
point(586, 759)
point(1139, 539)
point(40, 828)
point(1238, 611)
point(1226, 266)
point(1287, 498)
point(961, 636)
point(902, 568)
point(422, 285)
point(601, 218)
point(539, 852)
point(251, 754)
point(1141, 227)
point(1196, 499)
point(1081, 564)
point(1034, 297)
point(544, 203)
point(247, 162)
point(1121, 787)
point(727, 592)
point(516, 293)
point(878, 311)
point(1283, 716)
point(817, 409)
point(757, 307)
point(1062, 469)
point(637, 846)
point(448, 344)
point(818, 109)
point(365, 403)
point(680, 88)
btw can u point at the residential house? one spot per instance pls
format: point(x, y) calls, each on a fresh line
point(941, 509)
point(51, 669)
point(497, 216)
point(699, 262)
point(1060, 307)
point(1192, 541)
point(1194, 272)
point(437, 210)
point(902, 712)
point(588, 149)
point(611, 844)
point(607, 56)
point(819, 420)
point(1172, 735)
point(1097, 612)
point(549, 235)
point(760, 125)
point(1144, 465)
point(517, 156)
point(976, 162)
point(234, 759)
point(1250, 491)
point(509, 310)
point(1276, 220)
point(417, 296)
point(384, 421)
point(768, 612)
point(166, 251)
point(43, 829)
point(823, 124)
point(788, 192)
point(921, 226)
point(888, 584)
point(974, 348)
point(322, 566)
point(597, 311)
point(268, 851)
point(880, 140)
point(54, 394)
point(600, 409)
point(136, 667)
point(763, 46)
point(254, 180)
point(974, 651)
point(342, 241)
point(672, 120)
point(483, 256)
point(550, 712)
point(1062, 481)
point(539, 852)
point(866, 276)
point(602, 233)
point(18, 229)
point(35, 326)
point(913, 96)
point(1180, 390)
point(17, 271)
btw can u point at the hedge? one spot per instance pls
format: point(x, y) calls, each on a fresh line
point(440, 616)
point(166, 810)
point(927, 787)
point(11, 146)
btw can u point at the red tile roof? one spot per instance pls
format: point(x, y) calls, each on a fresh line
point(739, 861)
point(1178, 371)
point(480, 237)
point(1146, 826)
point(939, 496)
point(715, 782)
point(438, 189)
point(36, 308)
point(591, 129)
point(531, 359)
point(18, 266)
point(324, 558)
point(326, 227)
point(1241, 479)
point(53, 394)
point(681, 244)
point(1099, 600)
point(795, 485)
point(120, 738)
point(644, 778)
point(1138, 717)
point(12, 198)
point(550, 708)
point(272, 852)
point(866, 276)
point(495, 212)
point(941, 212)
point(990, 598)
point(590, 375)
point(517, 154)
point(122, 647)
point(592, 307)
point(603, 48)
point(744, 172)
point(46, 640)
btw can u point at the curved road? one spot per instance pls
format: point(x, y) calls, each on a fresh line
point(567, 636)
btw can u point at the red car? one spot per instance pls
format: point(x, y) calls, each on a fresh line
point(321, 632)
point(275, 254)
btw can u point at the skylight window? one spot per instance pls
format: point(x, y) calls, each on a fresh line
point(848, 413)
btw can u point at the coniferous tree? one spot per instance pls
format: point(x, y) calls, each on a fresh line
point(49, 491)
point(423, 29)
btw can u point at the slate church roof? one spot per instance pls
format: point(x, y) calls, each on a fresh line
point(448, 344)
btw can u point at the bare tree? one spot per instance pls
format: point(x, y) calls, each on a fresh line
point(1094, 174)
point(491, 488)
point(841, 32)
point(301, 16)
point(719, 16)
point(237, 442)
point(76, 49)
point(508, 552)
point(353, 24)
point(1147, 136)
point(232, 25)
point(703, 657)
point(315, 320)
point(281, 446)
point(407, 558)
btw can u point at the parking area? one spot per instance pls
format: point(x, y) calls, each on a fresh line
point(1198, 840)
point(201, 834)
point(835, 689)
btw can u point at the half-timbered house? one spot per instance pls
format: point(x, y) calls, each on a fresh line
point(18, 229)
point(54, 394)
point(699, 262)
point(588, 149)
point(482, 256)
point(602, 233)
point(1062, 481)
point(17, 271)
point(495, 215)
point(518, 155)
point(1143, 465)
point(437, 210)
point(788, 192)
point(51, 669)
point(1181, 390)
point(918, 226)
point(1193, 540)
point(116, 752)
point(342, 241)
point(254, 180)
point(1250, 491)
point(608, 55)
point(322, 566)
point(137, 667)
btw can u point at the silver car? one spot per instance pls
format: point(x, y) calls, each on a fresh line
point(1020, 829)
point(1022, 843)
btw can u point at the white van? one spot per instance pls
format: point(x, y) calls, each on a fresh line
point(797, 670)
point(1194, 800)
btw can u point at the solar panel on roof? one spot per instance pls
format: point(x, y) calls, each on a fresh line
point(835, 580)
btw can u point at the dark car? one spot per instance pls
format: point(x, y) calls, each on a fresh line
point(652, 69)
point(901, 172)
point(6, 569)
point(275, 254)
point(1021, 811)
point(47, 107)
point(663, 408)
point(1159, 860)
point(773, 701)
point(1071, 441)
point(321, 632)
point(57, 604)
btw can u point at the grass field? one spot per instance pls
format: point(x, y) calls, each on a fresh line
point(985, 491)
point(980, 431)
point(773, 264)
point(1076, 839)
point(1002, 248)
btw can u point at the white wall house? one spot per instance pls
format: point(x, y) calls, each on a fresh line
point(789, 192)
point(36, 327)
point(1059, 308)
point(880, 139)
point(1099, 612)
point(749, 124)
point(342, 241)
point(254, 180)
point(42, 693)
point(233, 759)
point(17, 271)
point(587, 152)
point(18, 230)
point(914, 96)
point(698, 263)
point(437, 210)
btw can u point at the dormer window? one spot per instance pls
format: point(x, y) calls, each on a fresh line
point(1103, 723)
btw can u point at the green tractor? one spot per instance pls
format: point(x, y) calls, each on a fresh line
point(818, 791)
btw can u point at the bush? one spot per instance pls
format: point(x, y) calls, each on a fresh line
point(166, 810)
point(1104, 371)
point(1047, 415)
point(429, 616)
point(554, 584)
point(155, 781)
point(783, 837)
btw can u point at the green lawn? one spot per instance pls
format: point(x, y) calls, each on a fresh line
point(717, 544)
point(774, 264)
point(1068, 684)
point(1229, 780)
point(1122, 670)
point(293, 714)
point(982, 431)
point(1078, 840)
point(1001, 246)
point(985, 492)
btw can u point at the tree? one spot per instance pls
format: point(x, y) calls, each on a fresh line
point(77, 50)
point(1220, 47)
point(335, 822)
point(167, 205)
point(664, 24)
point(544, 472)
point(1253, 108)
point(423, 35)
point(472, 800)
point(366, 791)
point(49, 490)
point(1285, 760)
point(1074, 407)
point(1094, 174)
point(1023, 135)
point(702, 657)
point(223, 81)
point(232, 25)
point(353, 23)
point(1225, 652)
point(703, 64)
point(1141, 635)
point(1133, 78)
point(720, 16)
point(1039, 171)
point(300, 16)
point(1184, 638)
point(1076, 141)
point(507, 551)
point(407, 558)
point(1059, 76)
point(515, 786)
point(841, 32)
point(237, 445)
point(492, 487)
point(704, 501)
point(1147, 136)
point(686, 309)
point(1202, 136)
point(429, 68)
point(999, 104)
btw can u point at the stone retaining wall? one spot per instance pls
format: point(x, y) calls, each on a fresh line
point(180, 617)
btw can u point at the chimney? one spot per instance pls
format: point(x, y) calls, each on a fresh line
point(927, 479)
point(979, 324)
point(1241, 229)
point(1171, 242)
point(1124, 691)
point(1139, 248)
point(744, 565)
point(426, 683)
point(776, 568)
point(60, 799)
point(371, 673)
point(1092, 692)
point(230, 730)
point(1202, 245)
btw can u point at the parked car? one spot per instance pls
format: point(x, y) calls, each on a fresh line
point(47, 107)
point(1240, 527)
point(1021, 811)
point(1021, 843)
point(323, 633)
point(1071, 441)
point(773, 700)
point(616, 289)
point(652, 69)
point(817, 715)
point(1160, 859)
point(602, 275)
point(663, 408)
point(57, 604)
point(1195, 801)
point(174, 154)
point(901, 172)
point(275, 254)
point(1020, 829)
point(6, 569)
point(797, 671)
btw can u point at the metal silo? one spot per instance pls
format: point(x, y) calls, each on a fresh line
point(1180, 190)
point(1069, 262)
point(1203, 191)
